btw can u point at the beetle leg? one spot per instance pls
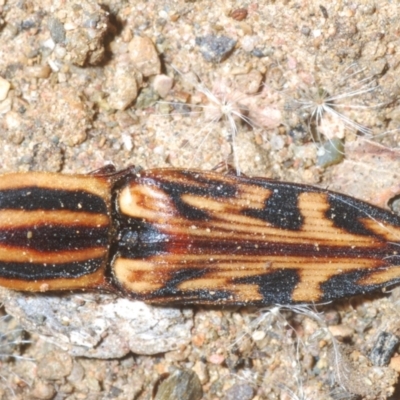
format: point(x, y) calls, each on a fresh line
point(108, 169)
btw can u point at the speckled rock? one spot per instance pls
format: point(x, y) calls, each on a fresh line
point(146, 98)
point(182, 385)
point(68, 116)
point(215, 48)
point(57, 31)
point(249, 83)
point(101, 326)
point(78, 29)
point(48, 154)
point(122, 85)
point(239, 392)
point(43, 390)
point(385, 346)
point(55, 365)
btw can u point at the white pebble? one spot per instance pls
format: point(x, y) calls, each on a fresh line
point(5, 106)
point(53, 65)
point(127, 141)
point(70, 26)
point(49, 43)
point(12, 120)
point(258, 335)
point(162, 84)
point(277, 142)
point(4, 88)
point(317, 33)
point(160, 150)
point(249, 42)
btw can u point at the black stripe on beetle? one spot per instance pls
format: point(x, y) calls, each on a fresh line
point(346, 214)
point(36, 198)
point(29, 272)
point(55, 238)
point(281, 208)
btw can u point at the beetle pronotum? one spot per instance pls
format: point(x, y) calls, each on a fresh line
point(187, 236)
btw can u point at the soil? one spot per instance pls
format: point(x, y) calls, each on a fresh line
point(265, 87)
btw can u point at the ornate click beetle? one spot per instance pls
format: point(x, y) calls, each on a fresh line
point(189, 236)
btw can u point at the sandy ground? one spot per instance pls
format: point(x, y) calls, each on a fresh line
point(268, 87)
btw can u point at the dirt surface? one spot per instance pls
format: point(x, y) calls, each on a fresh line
point(264, 86)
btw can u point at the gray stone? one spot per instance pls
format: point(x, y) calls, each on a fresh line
point(215, 48)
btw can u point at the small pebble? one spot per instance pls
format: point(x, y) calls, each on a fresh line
point(182, 385)
point(308, 361)
point(57, 31)
point(200, 368)
point(332, 317)
point(77, 373)
point(215, 49)
point(144, 56)
point(5, 106)
point(395, 363)
point(198, 339)
point(277, 142)
point(43, 391)
point(394, 205)
point(384, 348)
point(239, 14)
point(86, 26)
point(299, 134)
point(41, 71)
point(259, 53)
point(122, 88)
point(305, 30)
point(146, 98)
point(124, 119)
point(162, 85)
point(331, 153)
point(342, 331)
point(216, 359)
point(249, 83)
point(93, 384)
point(239, 392)
point(249, 42)
point(258, 335)
point(16, 137)
point(55, 365)
point(65, 388)
point(47, 155)
point(4, 88)
point(12, 121)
